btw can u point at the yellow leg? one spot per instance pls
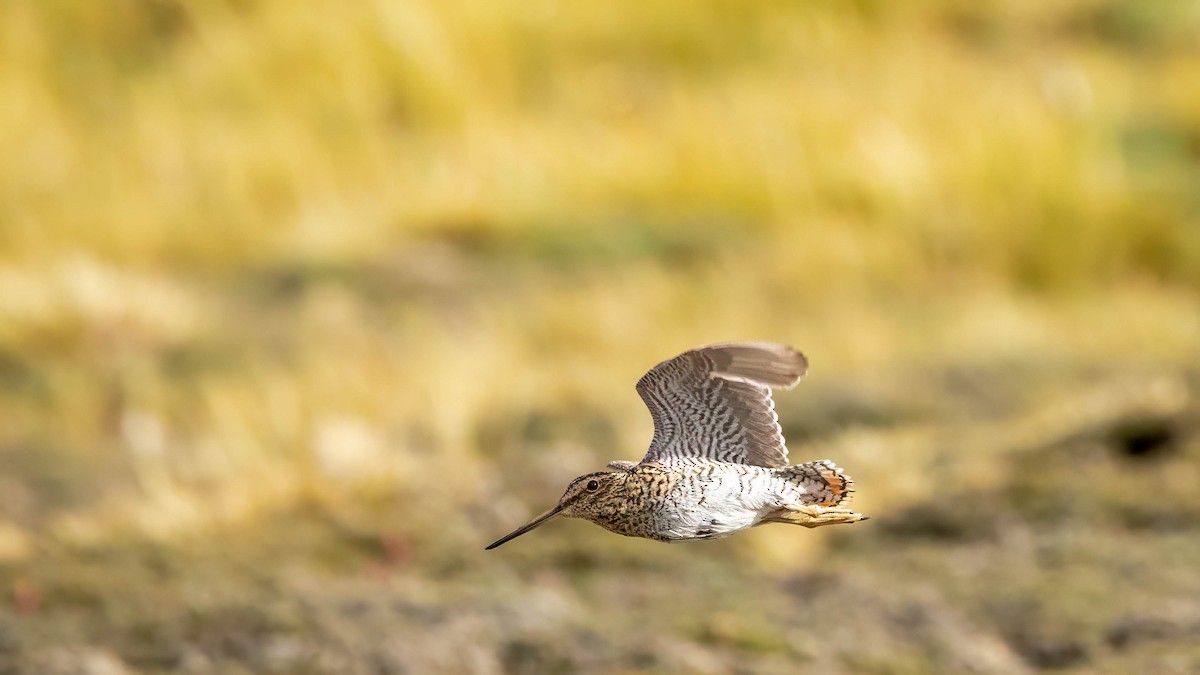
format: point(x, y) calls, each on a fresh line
point(816, 516)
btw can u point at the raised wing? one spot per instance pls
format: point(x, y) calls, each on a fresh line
point(715, 403)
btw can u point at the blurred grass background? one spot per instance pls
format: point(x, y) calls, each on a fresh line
point(302, 304)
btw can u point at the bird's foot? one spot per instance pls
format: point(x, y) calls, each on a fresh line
point(817, 516)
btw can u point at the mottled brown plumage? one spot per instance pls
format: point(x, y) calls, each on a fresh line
point(717, 463)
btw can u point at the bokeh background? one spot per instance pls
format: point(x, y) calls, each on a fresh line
point(303, 304)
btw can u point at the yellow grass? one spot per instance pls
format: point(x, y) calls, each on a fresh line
point(399, 264)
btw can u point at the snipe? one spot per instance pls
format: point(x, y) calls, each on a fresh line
point(717, 463)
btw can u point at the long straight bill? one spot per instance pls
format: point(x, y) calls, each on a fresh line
point(527, 527)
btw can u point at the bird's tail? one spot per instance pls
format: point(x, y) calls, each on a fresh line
point(823, 482)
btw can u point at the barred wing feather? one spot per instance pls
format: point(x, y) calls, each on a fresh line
point(715, 403)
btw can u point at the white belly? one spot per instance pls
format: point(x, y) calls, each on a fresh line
point(712, 502)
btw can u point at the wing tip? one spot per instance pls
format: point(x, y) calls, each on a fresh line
point(773, 364)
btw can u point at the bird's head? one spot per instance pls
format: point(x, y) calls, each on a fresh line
point(582, 499)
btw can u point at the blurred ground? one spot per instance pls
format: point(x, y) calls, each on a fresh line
point(301, 305)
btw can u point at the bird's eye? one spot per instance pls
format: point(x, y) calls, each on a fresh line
point(593, 485)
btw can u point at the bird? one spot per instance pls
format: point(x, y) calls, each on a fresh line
point(717, 462)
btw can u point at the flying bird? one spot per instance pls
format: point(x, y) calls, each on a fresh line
point(717, 463)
